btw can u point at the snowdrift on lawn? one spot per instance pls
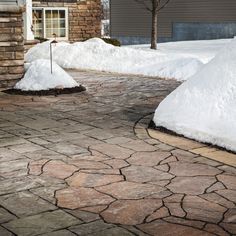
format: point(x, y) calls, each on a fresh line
point(95, 54)
point(204, 107)
point(38, 77)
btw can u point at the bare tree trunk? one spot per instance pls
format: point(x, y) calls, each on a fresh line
point(154, 25)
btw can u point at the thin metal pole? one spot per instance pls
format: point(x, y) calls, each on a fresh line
point(51, 56)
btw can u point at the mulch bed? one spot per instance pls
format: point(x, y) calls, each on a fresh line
point(54, 92)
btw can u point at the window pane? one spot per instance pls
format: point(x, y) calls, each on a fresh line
point(62, 14)
point(62, 33)
point(38, 22)
point(62, 24)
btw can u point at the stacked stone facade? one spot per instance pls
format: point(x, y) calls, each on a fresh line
point(11, 47)
point(84, 17)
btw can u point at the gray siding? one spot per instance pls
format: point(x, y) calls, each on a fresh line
point(129, 19)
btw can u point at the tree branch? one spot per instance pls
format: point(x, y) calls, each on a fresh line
point(144, 3)
point(161, 7)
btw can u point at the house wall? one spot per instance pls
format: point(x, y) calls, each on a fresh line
point(11, 45)
point(84, 17)
point(180, 20)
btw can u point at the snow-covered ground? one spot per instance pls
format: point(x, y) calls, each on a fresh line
point(204, 107)
point(172, 60)
point(39, 77)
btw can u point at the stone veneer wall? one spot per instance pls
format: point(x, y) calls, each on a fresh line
point(11, 47)
point(84, 17)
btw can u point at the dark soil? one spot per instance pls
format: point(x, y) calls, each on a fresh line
point(54, 92)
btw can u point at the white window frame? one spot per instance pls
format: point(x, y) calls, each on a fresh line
point(44, 20)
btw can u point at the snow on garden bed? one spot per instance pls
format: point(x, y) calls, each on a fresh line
point(204, 107)
point(38, 77)
point(95, 54)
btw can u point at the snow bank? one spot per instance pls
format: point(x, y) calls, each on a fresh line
point(95, 54)
point(204, 107)
point(39, 77)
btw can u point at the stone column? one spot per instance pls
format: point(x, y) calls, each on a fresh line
point(11, 45)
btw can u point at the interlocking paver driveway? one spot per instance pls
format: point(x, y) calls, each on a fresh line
point(83, 164)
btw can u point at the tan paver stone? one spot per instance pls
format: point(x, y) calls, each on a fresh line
point(228, 194)
point(35, 167)
point(95, 209)
point(92, 180)
point(5, 216)
point(143, 174)
point(139, 146)
point(102, 171)
point(25, 203)
point(48, 192)
point(228, 180)
point(215, 229)
point(231, 228)
point(175, 141)
point(175, 209)
point(14, 165)
point(160, 213)
point(130, 212)
point(42, 223)
point(192, 169)
point(73, 198)
point(204, 150)
point(191, 185)
point(59, 233)
point(216, 186)
point(230, 216)
point(130, 190)
point(213, 197)
point(17, 184)
point(116, 231)
point(89, 228)
point(159, 227)
point(85, 216)
point(112, 150)
point(169, 160)
point(183, 221)
point(222, 156)
point(4, 232)
point(90, 165)
point(201, 209)
point(116, 163)
point(58, 169)
point(148, 158)
point(119, 140)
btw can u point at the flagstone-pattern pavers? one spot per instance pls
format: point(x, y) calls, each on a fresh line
point(85, 164)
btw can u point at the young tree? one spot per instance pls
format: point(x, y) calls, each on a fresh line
point(153, 6)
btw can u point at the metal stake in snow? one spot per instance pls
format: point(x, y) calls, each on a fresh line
point(53, 42)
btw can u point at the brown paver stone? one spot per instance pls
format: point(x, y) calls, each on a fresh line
point(130, 190)
point(116, 231)
point(192, 169)
point(148, 158)
point(191, 185)
point(160, 213)
point(144, 174)
point(130, 212)
point(73, 198)
point(215, 229)
point(59, 169)
point(93, 165)
point(92, 180)
point(201, 209)
point(112, 150)
point(228, 180)
point(159, 227)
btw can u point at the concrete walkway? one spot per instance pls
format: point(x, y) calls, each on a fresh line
point(84, 164)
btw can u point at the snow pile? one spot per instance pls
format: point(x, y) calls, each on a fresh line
point(95, 54)
point(39, 77)
point(204, 107)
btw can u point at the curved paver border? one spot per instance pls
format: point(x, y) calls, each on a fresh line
point(185, 144)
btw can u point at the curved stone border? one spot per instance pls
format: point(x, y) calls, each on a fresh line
point(142, 132)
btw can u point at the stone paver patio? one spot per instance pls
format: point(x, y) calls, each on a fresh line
point(84, 164)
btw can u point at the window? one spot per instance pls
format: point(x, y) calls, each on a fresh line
point(49, 21)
